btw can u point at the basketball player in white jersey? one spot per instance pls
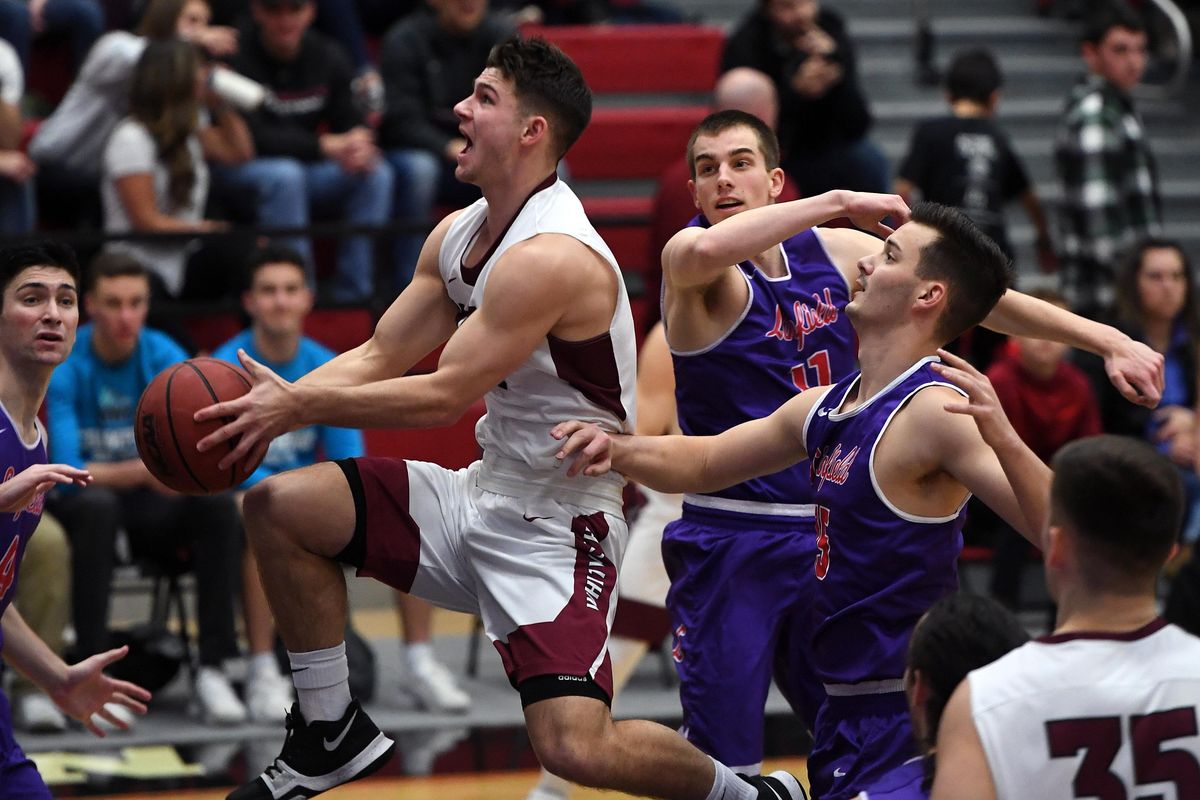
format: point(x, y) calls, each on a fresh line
point(1108, 705)
point(533, 313)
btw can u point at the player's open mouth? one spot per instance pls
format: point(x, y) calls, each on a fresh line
point(48, 336)
point(470, 143)
point(725, 204)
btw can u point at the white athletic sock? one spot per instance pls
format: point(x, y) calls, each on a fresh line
point(418, 656)
point(728, 786)
point(262, 664)
point(550, 786)
point(322, 679)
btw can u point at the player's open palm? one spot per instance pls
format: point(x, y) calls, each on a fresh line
point(18, 491)
point(263, 413)
point(868, 210)
point(87, 690)
point(585, 447)
point(982, 404)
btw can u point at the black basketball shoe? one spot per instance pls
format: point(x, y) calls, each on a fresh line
point(776, 786)
point(318, 756)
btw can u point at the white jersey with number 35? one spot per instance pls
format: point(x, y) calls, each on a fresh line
point(1103, 716)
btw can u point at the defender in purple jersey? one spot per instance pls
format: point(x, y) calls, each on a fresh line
point(38, 318)
point(891, 466)
point(754, 302)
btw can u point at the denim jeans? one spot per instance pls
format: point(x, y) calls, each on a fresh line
point(81, 20)
point(17, 210)
point(286, 190)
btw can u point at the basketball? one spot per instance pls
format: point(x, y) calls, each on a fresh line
point(167, 435)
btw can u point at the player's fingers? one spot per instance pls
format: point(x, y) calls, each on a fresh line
point(958, 362)
point(564, 429)
point(228, 408)
point(102, 660)
point(127, 701)
point(253, 367)
point(599, 468)
point(969, 409)
point(239, 452)
point(578, 439)
point(882, 229)
point(1129, 393)
point(223, 433)
point(93, 728)
point(112, 718)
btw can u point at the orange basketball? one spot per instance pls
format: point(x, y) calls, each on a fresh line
point(167, 435)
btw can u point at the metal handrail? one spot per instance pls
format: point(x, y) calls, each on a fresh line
point(1183, 61)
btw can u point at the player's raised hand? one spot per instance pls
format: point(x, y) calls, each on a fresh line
point(867, 210)
point(18, 492)
point(86, 690)
point(1137, 372)
point(982, 403)
point(267, 410)
point(585, 447)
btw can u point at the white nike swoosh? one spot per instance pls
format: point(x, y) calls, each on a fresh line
point(331, 746)
point(822, 412)
point(839, 773)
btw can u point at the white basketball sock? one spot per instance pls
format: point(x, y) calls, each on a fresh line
point(728, 786)
point(322, 679)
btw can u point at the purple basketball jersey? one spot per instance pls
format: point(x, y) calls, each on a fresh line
point(879, 568)
point(16, 528)
point(792, 335)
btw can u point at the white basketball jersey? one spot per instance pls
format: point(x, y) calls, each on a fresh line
point(1108, 716)
point(590, 380)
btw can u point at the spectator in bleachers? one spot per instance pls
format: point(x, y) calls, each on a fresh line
point(16, 169)
point(1050, 402)
point(68, 146)
point(1156, 304)
point(965, 159)
point(315, 152)
point(44, 599)
point(823, 113)
point(81, 21)
point(741, 89)
point(156, 177)
point(1109, 181)
point(90, 413)
point(592, 12)
point(429, 62)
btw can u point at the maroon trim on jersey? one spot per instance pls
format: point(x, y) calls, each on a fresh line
point(569, 644)
point(1128, 636)
point(393, 537)
point(590, 366)
point(471, 274)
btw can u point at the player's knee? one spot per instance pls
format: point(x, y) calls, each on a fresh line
point(570, 756)
point(264, 510)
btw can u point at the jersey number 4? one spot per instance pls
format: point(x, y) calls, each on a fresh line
point(818, 362)
point(1101, 738)
point(8, 567)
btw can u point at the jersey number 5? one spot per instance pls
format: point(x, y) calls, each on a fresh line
point(1100, 739)
point(822, 566)
point(818, 362)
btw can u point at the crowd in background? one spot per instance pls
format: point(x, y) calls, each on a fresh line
point(192, 117)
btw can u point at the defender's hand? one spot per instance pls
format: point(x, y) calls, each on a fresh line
point(586, 447)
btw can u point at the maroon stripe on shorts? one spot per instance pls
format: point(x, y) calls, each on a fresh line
point(569, 644)
point(393, 536)
point(641, 621)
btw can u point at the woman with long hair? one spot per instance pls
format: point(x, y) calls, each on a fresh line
point(155, 176)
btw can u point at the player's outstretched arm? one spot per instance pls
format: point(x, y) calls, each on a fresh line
point(80, 690)
point(988, 457)
point(416, 322)
point(1135, 369)
point(676, 464)
point(18, 492)
point(962, 767)
point(698, 256)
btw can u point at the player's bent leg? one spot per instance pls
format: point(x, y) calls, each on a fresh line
point(297, 523)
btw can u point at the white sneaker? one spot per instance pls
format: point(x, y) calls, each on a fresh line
point(218, 703)
point(120, 712)
point(268, 696)
point(34, 712)
point(437, 690)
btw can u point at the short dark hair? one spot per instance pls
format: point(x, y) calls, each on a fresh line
point(960, 633)
point(973, 266)
point(1108, 15)
point(973, 75)
point(546, 82)
point(273, 253)
point(1124, 501)
point(39, 253)
point(721, 121)
point(114, 264)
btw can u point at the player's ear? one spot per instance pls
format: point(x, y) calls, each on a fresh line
point(692, 190)
point(932, 295)
point(778, 178)
point(1055, 547)
point(536, 128)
